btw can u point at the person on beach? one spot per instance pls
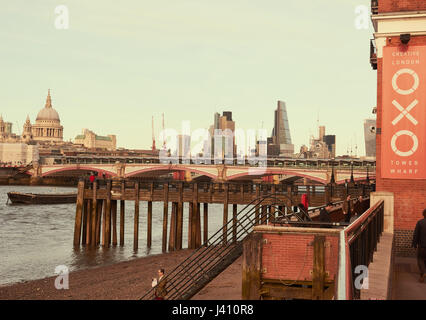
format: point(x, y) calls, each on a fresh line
point(346, 208)
point(419, 242)
point(160, 284)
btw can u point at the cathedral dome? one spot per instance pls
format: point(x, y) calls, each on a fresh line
point(48, 113)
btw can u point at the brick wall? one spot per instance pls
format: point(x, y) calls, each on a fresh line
point(401, 5)
point(409, 195)
point(289, 256)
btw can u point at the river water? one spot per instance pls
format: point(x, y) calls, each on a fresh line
point(34, 239)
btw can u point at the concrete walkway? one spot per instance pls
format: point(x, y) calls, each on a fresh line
point(406, 285)
point(379, 271)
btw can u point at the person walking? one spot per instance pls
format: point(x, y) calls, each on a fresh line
point(419, 242)
point(347, 209)
point(160, 284)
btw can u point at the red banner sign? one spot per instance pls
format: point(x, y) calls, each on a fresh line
point(404, 113)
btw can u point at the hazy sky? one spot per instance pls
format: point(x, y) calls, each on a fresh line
point(121, 62)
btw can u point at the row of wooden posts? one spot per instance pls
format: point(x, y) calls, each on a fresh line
point(97, 211)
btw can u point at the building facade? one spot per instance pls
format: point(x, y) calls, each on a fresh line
point(47, 127)
point(399, 56)
point(93, 141)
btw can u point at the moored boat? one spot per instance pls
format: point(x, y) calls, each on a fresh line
point(34, 198)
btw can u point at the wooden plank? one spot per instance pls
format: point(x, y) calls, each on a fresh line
point(88, 211)
point(103, 242)
point(251, 267)
point(165, 215)
point(318, 272)
point(136, 219)
point(149, 225)
point(78, 213)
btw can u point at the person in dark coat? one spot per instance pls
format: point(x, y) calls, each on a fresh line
point(324, 215)
point(419, 242)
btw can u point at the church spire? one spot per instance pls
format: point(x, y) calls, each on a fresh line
point(48, 100)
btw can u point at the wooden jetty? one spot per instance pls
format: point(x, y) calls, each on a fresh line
point(97, 206)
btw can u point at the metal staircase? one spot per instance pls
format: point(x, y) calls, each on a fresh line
point(221, 250)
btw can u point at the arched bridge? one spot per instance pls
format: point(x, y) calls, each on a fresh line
point(214, 172)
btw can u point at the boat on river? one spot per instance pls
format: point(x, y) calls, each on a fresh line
point(35, 198)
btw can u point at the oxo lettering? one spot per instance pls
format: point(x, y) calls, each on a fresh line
point(405, 112)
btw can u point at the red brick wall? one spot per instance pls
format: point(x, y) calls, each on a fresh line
point(401, 5)
point(289, 256)
point(409, 195)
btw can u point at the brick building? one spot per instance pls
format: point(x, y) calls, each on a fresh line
point(399, 55)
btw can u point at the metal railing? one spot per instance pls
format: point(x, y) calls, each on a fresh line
point(363, 235)
point(220, 250)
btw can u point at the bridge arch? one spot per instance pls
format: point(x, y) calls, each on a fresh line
point(78, 169)
point(169, 169)
point(269, 172)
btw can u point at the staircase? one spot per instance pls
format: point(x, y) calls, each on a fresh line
point(220, 251)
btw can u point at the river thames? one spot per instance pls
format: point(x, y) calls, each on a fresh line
point(34, 239)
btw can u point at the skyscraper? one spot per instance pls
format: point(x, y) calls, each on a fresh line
point(281, 132)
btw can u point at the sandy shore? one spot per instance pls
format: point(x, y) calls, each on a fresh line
point(123, 281)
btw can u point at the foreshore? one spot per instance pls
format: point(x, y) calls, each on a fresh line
point(127, 280)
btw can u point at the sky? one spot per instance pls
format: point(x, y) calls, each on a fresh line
point(121, 62)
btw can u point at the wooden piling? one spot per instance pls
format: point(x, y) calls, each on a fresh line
point(103, 241)
point(318, 272)
point(122, 213)
point(165, 215)
point(136, 219)
point(173, 227)
point(149, 225)
point(114, 222)
point(234, 223)
point(108, 215)
point(98, 221)
point(84, 221)
point(179, 219)
point(198, 217)
point(94, 209)
point(78, 213)
point(225, 214)
point(257, 213)
point(206, 222)
point(252, 267)
point(88, 221)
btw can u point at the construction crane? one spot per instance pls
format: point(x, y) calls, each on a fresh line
point(153, 136)
point(164, 134)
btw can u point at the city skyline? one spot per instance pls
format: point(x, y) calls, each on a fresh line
point(104, 79)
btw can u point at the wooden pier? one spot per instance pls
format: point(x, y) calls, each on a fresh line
point(97, 206)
